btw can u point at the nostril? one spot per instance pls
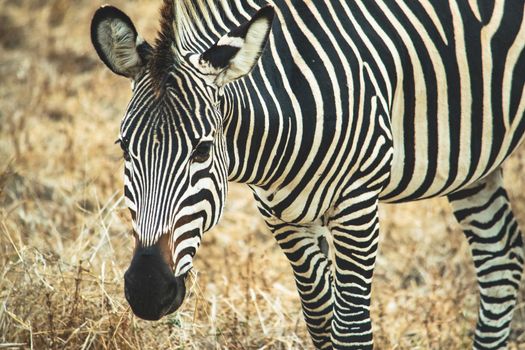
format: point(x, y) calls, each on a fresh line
point(150, 287)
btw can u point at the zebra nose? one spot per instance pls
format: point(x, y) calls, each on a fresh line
point(150, 287)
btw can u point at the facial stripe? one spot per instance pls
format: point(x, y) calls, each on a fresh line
point(162, 184)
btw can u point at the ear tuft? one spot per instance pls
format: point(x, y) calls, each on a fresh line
point(237, 52)
point(117, 42)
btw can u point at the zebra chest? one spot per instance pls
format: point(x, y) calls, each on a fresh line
point(357, 165)
point(294, 204)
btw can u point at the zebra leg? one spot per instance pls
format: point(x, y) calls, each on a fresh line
point(484, 212)
point(312, 273)
point(355, 231)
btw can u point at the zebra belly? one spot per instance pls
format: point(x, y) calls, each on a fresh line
point(428, 168)
point(440, 181)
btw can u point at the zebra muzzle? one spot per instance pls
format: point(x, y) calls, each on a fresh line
point(151, 288)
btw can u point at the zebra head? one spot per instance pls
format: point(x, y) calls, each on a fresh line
point(172, 136)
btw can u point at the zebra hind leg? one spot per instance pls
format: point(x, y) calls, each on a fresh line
point(484, 212)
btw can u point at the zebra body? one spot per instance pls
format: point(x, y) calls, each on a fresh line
point(351, 103)
point(428, 158)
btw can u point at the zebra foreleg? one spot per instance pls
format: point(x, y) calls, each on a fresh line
point(484, 212)
point(323, 244)
point(313, 277)
point(355, 230)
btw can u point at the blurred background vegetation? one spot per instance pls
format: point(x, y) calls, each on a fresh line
point(64, 230)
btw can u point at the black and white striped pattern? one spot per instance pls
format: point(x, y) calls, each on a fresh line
point(484, 212)
point(166, 188)
point(351, 103)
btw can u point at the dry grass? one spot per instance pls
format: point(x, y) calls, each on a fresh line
point(64, 243)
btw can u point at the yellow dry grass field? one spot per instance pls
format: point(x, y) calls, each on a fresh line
point(64, 229)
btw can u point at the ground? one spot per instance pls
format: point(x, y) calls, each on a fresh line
point(64, 230)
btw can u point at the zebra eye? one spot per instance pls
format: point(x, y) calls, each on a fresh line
point(125, 153)
point(202, 152)
point(126, 156)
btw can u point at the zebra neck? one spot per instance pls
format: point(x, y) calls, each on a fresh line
point(259, 131)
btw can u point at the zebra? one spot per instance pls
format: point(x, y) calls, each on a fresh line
point(324, 109)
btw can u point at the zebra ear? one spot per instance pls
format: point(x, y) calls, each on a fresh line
point(117, 42)
point(237, 52)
